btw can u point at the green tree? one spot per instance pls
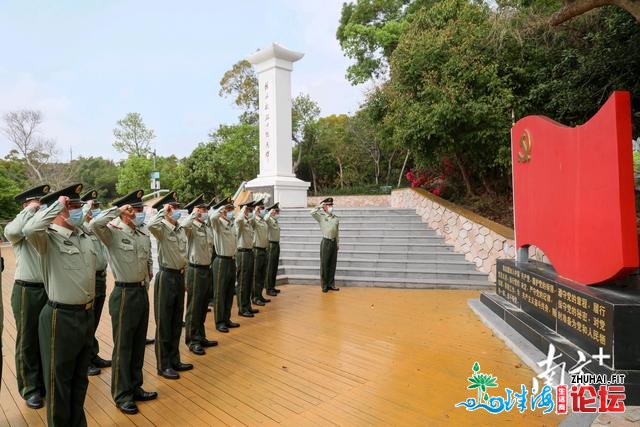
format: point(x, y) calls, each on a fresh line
point(304, 112)
point(448, 98)
point(8, 189)
point(236, 156)
point(196, 173)
point(134, 173)
point(99, 174)
point(241, 83)
point(370, 30)
point(132, 136)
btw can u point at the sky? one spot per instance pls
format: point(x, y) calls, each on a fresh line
point(85, 64)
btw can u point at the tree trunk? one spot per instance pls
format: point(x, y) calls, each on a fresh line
point(340, 173)
point(487, 186)
point(404, 165)
point(313, 178)
point(465, 175)
point(389, 163)
point(296, 164)
point(572, 8)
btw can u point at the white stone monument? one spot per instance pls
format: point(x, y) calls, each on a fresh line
point(274, 64)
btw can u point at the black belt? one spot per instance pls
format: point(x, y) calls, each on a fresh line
point(244, 250)
point(101, 273)
point(29, 284)
point(260, 249)
point(202, 267)
point(171, 270)
point(130, 284)
point(75, 307)
point(275, 242)
point(224, 257)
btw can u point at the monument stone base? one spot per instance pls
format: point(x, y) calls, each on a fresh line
point(290, 192)
point(547, 309)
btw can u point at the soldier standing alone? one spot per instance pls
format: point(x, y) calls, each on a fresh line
point(330, 244)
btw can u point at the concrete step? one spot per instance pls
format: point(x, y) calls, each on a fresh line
point(388, 255)
point(423, 283)
point(400, 266)
point(383, 246)
point(349, 238)
point(382, 230)
point(441, 272)
point(410, 219)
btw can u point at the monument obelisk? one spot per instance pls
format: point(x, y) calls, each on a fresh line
point(274, 65)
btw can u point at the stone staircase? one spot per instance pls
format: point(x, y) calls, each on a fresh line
point(378, 247)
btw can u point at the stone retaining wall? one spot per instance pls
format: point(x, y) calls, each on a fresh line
point(353, 201)
point(482, 241)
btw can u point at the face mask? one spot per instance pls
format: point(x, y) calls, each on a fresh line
point(262, 214)
point(330, 209)
point(204, 217)
point(75, 217)
point(229, 216)
point(250, 216)
point(176, 215)
point(95, 212)
point(139, 219)
point(43, 207)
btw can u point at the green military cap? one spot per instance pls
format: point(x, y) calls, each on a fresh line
point(72, 192)
point(226, 202)
point(32, 193)
point(134, 199)
point(170, 198)
point(274, 207)
point(247, 204)
point(258, 203)
point(328, 201)
point(91, 195)
point(198, 202)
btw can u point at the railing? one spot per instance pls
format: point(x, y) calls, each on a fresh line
point(155, 194)
point(239, 190)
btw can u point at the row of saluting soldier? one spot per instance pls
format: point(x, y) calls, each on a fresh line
point(63, 242)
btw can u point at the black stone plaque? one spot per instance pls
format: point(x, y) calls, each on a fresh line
point(591, 317)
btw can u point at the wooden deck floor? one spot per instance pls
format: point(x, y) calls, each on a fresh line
point(361, 356)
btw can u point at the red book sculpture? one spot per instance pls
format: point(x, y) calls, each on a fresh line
point(573, 192)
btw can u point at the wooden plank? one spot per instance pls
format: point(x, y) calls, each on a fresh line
point(361, 356)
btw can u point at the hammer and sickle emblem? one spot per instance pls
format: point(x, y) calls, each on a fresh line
point(525, 143)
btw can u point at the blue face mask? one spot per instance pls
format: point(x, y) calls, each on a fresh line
point(75, 217)
point(43, 207)
point(250, 216)
point(230, 215)
point(176, 215)
point(95, 212)
point(262, 214)
point(330, 209)
point(204, 217)
point(139, 219)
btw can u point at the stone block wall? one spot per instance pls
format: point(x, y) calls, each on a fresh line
point(482, 241)
point(353, 201)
